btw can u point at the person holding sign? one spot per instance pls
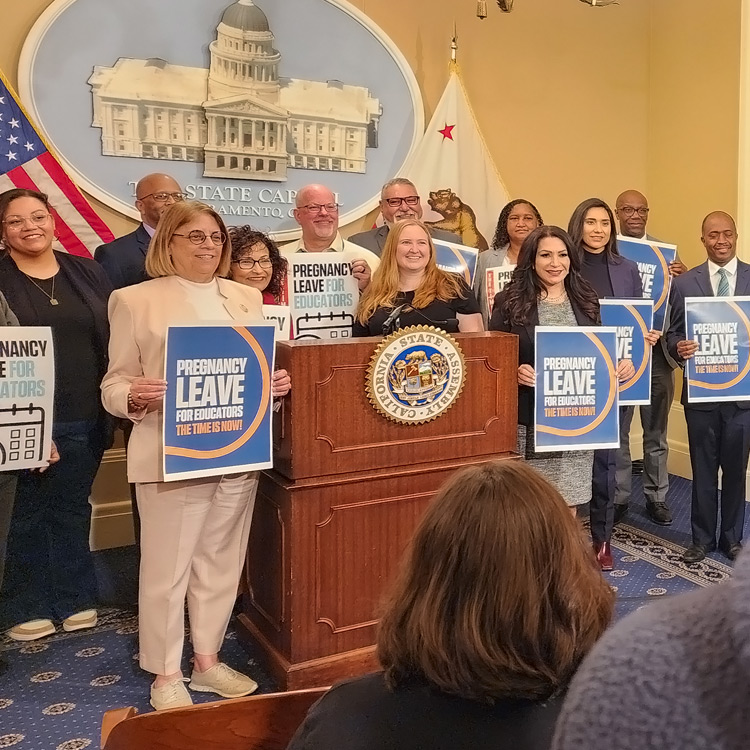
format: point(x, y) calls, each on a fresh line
point(632, 213)
point(409, 289)
point(718, 433)
point(517, 219)
point(49, 575)
point(496, 605)
point(592, 229)
point(194, 532)
point(257, 262)
point(548, 289)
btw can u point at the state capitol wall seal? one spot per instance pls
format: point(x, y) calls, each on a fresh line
point(416, 374)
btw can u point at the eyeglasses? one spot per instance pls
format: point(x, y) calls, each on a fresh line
point(630, 210)
point(198, 238)
point(316, 208)
point(18, 222)
point(410, 200)
point(248, 263)
point(164, 197)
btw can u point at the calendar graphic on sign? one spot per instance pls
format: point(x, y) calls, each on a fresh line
point(21, 434)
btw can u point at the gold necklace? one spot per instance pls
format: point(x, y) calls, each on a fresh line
point(557, 300)
point(52, 299)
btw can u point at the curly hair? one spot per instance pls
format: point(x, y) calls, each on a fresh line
point(575, 227)
point(384, 288)
point(243, 238)
point(499, 595)
point(518, 302)
point(501, 238)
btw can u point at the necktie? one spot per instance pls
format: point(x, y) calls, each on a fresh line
point(723, 289)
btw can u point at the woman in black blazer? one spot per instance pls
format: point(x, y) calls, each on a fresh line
point(591, 228)
point(547, 289)
point(49, 576)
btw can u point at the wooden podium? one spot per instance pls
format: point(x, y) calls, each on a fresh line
point(332, 519)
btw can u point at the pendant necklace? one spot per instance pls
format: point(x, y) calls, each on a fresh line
point(52, 299)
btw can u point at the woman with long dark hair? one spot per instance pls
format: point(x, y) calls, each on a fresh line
point(497, 602)
point(547, 289)
point(257, 262)
point(517, 219)
point(592, 229)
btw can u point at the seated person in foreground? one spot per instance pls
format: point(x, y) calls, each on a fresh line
point(496, 604)
point(673, 674)
point(408, 276)
point(257, 262)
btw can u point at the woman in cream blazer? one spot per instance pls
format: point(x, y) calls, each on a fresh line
point(193, 533)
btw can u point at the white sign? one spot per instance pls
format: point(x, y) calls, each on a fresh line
point(280, 316)
point(495, 280)
point(323, 295)
point(27, 388)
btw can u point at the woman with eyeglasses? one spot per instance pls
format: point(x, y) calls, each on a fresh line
point(257, 262)
point(194, 532)
point(49, 576)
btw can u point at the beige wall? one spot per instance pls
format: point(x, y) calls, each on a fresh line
point(545, 82)
point(573, 101)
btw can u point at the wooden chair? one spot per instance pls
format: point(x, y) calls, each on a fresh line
point(261, 722)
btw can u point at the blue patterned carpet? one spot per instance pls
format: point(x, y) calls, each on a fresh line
point(54, 692)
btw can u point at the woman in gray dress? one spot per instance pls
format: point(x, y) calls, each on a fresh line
point(547, 289)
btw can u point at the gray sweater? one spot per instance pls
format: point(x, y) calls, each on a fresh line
point(674, 674)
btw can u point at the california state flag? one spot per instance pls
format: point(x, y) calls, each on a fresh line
point(454, 172)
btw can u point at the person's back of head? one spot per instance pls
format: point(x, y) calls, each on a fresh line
point(499, 596)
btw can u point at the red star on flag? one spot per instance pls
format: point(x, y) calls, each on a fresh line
point(447, 131)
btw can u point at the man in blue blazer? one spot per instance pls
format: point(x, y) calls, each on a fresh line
point(718, 433)
point(399, 200)
point(124, 259)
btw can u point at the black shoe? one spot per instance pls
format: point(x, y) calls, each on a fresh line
point(621, 510)
point(732, 551)
point(659, 513)
point(695, 553)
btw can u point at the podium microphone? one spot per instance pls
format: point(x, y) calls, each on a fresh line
point(449, 326)
point(391, 322)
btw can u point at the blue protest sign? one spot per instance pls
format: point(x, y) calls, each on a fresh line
point(633, 319)
point(720, 369)
point(653, 259)
point(456, 258)
point(217, 409)
point(576, 389)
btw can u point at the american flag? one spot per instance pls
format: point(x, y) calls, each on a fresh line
point(26, 162)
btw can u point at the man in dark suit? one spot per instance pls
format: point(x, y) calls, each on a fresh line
point(399, 200)
point(718, 433)
point(632, 215)
point(124, 259)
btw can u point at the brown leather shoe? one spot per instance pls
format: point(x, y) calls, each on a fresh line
point(603, 553)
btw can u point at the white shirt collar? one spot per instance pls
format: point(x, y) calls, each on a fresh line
point(730, 268)
point(149, 230)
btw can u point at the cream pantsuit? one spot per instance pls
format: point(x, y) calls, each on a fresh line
point(193, 539)
point(193, 533)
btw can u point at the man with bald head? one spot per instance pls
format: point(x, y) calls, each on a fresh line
point(718, 432)
point(124, 259)
point(632, 212)
point(317, 212)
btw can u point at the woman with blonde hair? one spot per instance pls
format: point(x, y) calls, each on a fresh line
point(497, 602)
point(409, 284)
point(194, 532)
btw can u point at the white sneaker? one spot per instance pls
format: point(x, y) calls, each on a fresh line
point(80, 621)
point(31, 630)
point(172, 695)
point(224, 681)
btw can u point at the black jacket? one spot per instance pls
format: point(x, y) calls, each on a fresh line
point(124, 259)
point(91, 283)
point(362, 714)
point(526, 349)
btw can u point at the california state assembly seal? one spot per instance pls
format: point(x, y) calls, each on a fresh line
point(416, 374)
